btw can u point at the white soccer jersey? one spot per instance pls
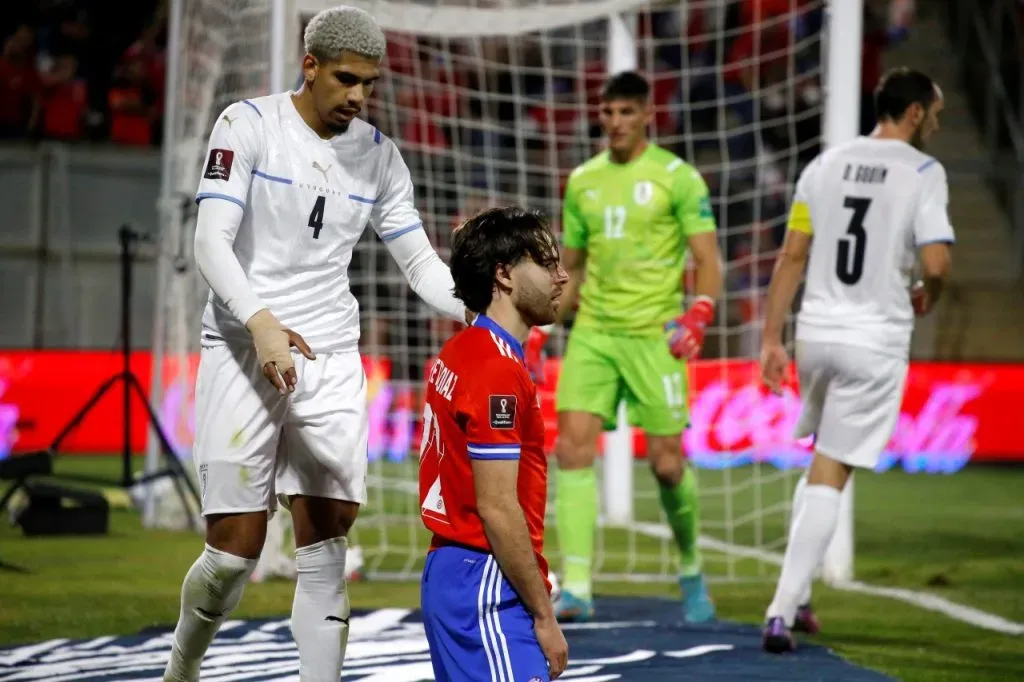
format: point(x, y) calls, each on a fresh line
point(306, 201)
point(872, 204)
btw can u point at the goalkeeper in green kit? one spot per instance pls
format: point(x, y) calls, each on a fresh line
point(630, 215)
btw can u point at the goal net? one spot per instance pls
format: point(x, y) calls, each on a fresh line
point(495, 102)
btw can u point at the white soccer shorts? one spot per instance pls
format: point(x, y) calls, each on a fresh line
point(253, 444)
point(850, 399)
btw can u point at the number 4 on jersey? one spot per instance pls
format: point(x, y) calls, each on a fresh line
point(316, 216)
point(850, 267)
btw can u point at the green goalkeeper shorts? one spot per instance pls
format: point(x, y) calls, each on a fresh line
point(600, 370)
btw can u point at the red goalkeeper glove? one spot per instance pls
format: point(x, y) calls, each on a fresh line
point(534, 352)
point(686, 332)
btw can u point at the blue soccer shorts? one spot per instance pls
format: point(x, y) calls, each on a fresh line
point(476, 625)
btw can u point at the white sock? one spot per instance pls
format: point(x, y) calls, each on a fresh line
point(812, 531)
point(320, 610)
point(210, 592)
point(798, 499)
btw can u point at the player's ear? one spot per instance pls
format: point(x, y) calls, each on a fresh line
point(310, 66)
point(503, 278)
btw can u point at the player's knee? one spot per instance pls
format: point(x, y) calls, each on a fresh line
point(241, 535)
point(574, 453)
point(666, 460)
point(826, 470)
point(318, 519)
point(576, 444)
point(214, 584)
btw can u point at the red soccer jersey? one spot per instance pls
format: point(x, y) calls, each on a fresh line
point(480, 404)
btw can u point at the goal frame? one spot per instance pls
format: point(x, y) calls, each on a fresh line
point(841, 113)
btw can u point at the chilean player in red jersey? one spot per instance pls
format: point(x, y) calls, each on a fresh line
point(483, 472)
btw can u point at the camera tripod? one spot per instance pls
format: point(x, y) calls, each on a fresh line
point(130, 384)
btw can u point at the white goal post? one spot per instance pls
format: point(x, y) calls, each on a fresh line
point(244, 48)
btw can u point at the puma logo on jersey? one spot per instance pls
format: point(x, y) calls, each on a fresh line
point(591, 194)
point(323, 170)
point(229, 119)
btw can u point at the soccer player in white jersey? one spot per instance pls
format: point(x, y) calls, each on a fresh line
point(864, 212)
point(288, 185)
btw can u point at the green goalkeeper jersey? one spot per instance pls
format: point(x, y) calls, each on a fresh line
point(633, 221)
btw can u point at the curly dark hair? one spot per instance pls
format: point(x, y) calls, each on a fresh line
point(493, 238)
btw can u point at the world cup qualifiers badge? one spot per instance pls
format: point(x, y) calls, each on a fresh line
point(503, 411)
point(218, 167)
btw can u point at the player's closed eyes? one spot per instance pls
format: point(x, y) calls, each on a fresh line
point(350, 79)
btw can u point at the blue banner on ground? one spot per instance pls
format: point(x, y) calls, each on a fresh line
point(636, 639)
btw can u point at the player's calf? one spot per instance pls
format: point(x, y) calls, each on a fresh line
point(320, 611)
point(211, 590)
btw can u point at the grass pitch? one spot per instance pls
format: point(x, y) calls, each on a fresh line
point(959, 536)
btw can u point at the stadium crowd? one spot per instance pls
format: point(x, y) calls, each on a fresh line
point(736, 90)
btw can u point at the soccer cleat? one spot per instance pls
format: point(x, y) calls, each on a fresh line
point(571, 609)
point(697, 604)
point(806, 621)
point(776, 637)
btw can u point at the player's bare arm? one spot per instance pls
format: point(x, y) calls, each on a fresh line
point(936, 261)
point(498, 503)
point(687, 331)
point(505, 526)
point(789, 270)
point(707, 262)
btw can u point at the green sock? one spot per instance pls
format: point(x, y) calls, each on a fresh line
point(681, 503)
point(576, 519)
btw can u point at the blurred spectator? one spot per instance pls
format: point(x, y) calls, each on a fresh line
point(758, 59)
point(20, 85)
point(133, 105)
point(64, 100)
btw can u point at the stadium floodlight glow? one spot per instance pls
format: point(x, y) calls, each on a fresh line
point(491, 102)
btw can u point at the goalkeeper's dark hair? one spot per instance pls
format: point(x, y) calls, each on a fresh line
point(492, 238)
point(898, 89)
point(626, 85)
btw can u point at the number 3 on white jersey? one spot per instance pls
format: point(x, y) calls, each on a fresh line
point(850, 254)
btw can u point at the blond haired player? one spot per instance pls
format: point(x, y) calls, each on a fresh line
point(863, 213)
point(290, 182)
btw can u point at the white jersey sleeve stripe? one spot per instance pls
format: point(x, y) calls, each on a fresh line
point(254, 107)
point(214, 195)
point(272, 178)
point(395, 234)
point(362, 200)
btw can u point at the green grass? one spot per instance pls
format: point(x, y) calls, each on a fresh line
point(959, 536)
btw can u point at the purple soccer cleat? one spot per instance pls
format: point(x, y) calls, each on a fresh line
point(806, 621)
point(776, 638)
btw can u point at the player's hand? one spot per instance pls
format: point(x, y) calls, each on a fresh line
point(919, 299)
point(774, 364)
point(273, 344)
point(552, 643)
point(686, 332)
point(534, 352)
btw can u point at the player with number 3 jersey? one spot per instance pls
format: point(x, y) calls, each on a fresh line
point(631, 217)
point(289, 183)
point(863, 213)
